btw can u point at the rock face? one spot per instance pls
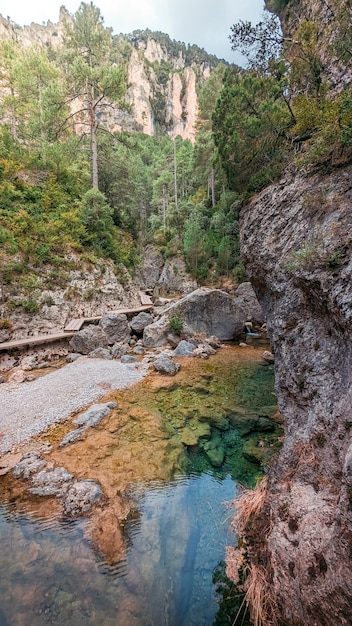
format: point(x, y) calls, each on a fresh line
point(297, 243)
point(174, 278)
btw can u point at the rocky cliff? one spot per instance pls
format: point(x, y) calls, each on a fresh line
point(296, 239)
point(297, 244)
point(163, 77)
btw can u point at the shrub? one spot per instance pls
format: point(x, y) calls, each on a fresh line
point(175, 323)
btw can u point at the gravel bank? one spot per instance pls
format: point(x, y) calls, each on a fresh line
point(31, 407)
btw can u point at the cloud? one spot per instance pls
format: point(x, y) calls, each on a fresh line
point(203, 22)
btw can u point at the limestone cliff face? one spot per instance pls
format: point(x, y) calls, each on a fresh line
point(297, 244)
point(165, 100)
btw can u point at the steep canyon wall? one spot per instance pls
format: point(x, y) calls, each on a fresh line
point(297, 244)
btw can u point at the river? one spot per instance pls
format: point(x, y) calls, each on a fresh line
point(169, 459)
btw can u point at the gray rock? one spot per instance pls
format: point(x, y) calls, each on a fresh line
point(140, 321)
point(268, 356)
point(89, 338)
point(211, 312)
point(156, 334)
point(100, 353)
point(28, 362)
point(174, 278)
point(29, 465)
point(138, 350)
point(93, 416)
point(2, 379)
point(18, 376)
point(128, 358)
point(184, 348)
point(119, 349)
point(73, 356)
point(165, 365)
point(173, 339)
point(116, 328)
point(72, 436)
point(81, 496)
point(246, 299)
point(203, 351)
point(53, 482)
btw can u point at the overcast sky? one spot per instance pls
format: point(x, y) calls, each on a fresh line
point(203, 22)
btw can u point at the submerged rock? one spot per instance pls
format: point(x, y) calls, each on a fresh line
point(214, 451)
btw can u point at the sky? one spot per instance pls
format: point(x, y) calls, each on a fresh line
point(203, 22)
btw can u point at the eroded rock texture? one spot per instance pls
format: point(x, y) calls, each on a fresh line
point(296, 243)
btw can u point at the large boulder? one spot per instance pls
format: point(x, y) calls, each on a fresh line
point(88, 339)
point(140, 321)
point(210, 311)
point(156, 334)
point(247, 300)
point(174, 278)
point(116, 328)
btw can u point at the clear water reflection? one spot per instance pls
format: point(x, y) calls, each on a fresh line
point(54, 576)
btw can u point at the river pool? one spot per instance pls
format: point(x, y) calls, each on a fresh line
point(169, 460)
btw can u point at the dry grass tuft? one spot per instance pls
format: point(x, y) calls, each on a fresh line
point(257, 595)
point(252, 524)
point(250, 504)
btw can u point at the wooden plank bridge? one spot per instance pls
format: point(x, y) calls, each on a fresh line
point(72, 327)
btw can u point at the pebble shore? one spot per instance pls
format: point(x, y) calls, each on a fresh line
point(31, 407)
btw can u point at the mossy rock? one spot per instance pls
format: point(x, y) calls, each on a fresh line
point(215, 451)
point(190, 436)
point(256, 451)
point(215, 417)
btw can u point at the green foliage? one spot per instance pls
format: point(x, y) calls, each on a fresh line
point(151, 189)
point(250, 125)
point(175, 323)
point(30, 306)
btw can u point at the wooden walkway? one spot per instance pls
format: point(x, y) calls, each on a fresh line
point(70, 329)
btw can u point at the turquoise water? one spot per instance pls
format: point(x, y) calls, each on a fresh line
point(194, 430)
point(52, 575)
